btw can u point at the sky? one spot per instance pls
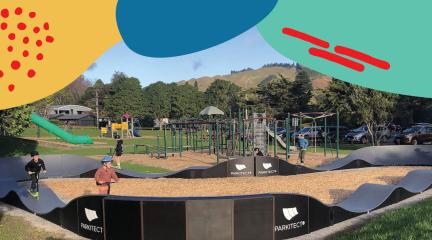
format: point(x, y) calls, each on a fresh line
point(248, 50)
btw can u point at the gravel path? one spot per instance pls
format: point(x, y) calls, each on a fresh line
point(329, 187)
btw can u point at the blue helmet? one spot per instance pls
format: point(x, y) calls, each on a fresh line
point(106, 159)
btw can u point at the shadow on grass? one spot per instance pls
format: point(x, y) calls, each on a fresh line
point(12, 146)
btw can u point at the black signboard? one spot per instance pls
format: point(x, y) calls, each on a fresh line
point(291, 215)
point(266, 166)
point(122, 219)
point(253, 218)
point(209, 219)
point(90, 217)
point(164, 220)
point(241, 167)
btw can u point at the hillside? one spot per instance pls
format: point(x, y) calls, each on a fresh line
point(251, 78)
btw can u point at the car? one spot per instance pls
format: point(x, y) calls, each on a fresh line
point(332, 132)
point(358, 135)
point(417, 134)
point(308, 132)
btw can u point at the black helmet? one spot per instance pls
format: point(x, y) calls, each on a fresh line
point(34, 153)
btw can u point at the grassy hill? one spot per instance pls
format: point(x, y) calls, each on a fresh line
point(251, 78)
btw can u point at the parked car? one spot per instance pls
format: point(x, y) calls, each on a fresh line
point(308, 132)
point(417, 134)
point(332, 132)
point(358, 135)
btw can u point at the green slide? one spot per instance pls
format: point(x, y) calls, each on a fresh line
point(54, 129)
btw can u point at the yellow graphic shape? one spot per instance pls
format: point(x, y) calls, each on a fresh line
point(47, 44)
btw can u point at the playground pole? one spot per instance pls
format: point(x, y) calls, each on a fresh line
point(274, 138)
point(217, 143)
point(300, 121)
point(165, 142)
point(287, 137)
point(158, 146)
point(337, 134)
point(244, 138)
point(173, 144)
point(210, 137)
point(202, 139)
point(181, 140)
point(325, 136)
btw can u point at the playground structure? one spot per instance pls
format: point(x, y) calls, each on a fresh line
point(240, 136)
point(57, 131)
point(125, 129)
point(272, 216)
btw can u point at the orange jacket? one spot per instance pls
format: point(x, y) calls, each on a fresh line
point(105, 175)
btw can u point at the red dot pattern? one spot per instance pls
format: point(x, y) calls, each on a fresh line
point(15, 64)
point(50, 39)
point(40, 56)
point(5, 13)
point(31, 73)
point(25, 32)
point(18, 11)
point(21, 26)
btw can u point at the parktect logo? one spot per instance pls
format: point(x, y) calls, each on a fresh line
point(240, 166)
point(267, 165)
point(289, 213)
point(90, 214)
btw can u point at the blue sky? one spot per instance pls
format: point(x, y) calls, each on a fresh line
point(247, 50)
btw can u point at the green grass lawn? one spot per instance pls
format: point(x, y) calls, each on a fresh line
point(142, 169)
point(413, 222)
point(89, 131)
point(18, 229)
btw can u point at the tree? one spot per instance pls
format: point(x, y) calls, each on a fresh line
point(88, 99)
point(276, 95)
point(359, 105)
point(156, 100)
point(13, 121)
point(301, 91)
point(125, 96)
point(337, 97)
point(374, 108)
point(224, 95)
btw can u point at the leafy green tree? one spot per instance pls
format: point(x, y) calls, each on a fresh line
point(125, 96)
point(337, 97)
point(360, 105)
point(224, 95)
point(13, 121)
point(276, 95)
point(301, 92)
point(88, 99)
point(156, 100)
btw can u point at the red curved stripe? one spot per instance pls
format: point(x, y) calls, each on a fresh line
point(337, 59)
point(305, 37)
point(362, 57)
